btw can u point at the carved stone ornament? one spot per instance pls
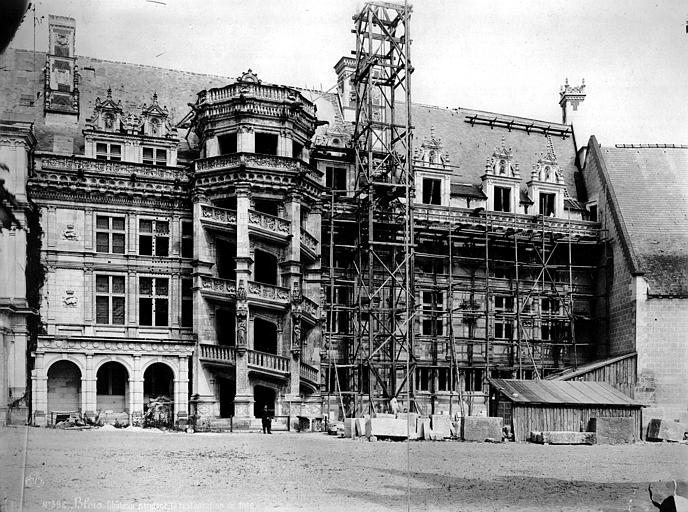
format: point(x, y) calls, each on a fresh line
point(241, 292)
point(69, 233)
point(69, 299)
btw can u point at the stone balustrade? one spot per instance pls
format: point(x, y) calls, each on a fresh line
point(504, 221)
point(218, 285)
point(309, 241)
point(218, 215)
point(269, 362)
point(268, 222)
point(310, 307)
point(218, 353)
point(308, 373)
point(263, 91)
point(268, 291)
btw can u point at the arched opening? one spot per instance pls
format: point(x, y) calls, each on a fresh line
point(112, 385)
point(225, 252)
point(226, 391)
point(64, 387)
point(225, 326)
point(158, 381)
point(265, 267)
point(264, 336)
point(263, 396)
point(158, 395)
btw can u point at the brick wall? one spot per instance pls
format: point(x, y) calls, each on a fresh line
point(620, 312)
point(662, 356)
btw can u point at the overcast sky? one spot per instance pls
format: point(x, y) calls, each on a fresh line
point(504, 56)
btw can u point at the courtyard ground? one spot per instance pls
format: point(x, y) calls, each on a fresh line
point(124, 470)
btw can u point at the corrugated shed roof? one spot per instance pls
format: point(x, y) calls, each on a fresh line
point(651, 187)
point(548, 392)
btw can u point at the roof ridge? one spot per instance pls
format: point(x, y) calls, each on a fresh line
point(647, 146)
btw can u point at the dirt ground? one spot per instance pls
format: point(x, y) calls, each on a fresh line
point(120, 470)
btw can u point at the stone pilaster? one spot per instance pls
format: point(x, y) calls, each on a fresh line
point(136, 391)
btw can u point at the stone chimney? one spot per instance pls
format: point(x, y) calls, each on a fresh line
point(570, 98)
point(345, 68)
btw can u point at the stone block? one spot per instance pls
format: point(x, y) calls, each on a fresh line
point(434, 436)
point(477, 428)
point(563, 437)
point(386, 427)
point(360, 426)
point(616, 430)
point(663, 430)
point(411, 417)
point(423, 427)
point(441, 423)
point(349, 427)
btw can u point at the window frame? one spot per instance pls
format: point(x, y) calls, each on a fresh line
point(111, 295)
point(433, 197)
point(263, 144)
point(154, 237)
point(335, 179)
point(186, 247)
point(549, 200)
point(186, 302)
point(432, 318)
point(155, 159)
point(154, 297)
point(500, 194)
point(108, 154)
point(111, 233)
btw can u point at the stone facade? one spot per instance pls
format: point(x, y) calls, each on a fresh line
point(187, 250)
point(16, 144)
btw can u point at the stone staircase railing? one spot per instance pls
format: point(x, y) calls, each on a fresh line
point(269, 362)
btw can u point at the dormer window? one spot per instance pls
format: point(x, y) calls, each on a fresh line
point(154, 156)
point(155, 127)
point(502, 199)
point(106, 151)
point(432, 191)
point(547, 202)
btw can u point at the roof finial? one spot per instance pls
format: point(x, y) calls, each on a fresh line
point(109, 93)
point(155, 98)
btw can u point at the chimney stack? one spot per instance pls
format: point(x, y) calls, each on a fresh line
point(570, 97)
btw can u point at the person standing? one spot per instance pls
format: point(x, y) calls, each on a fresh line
point(266, 419)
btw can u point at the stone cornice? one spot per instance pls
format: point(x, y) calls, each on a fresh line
point(268, 172)
point(48, 344)
point(17, 133)
point(99, 181)
point(108, 168)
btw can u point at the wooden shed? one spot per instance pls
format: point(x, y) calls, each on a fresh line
point(539, 405)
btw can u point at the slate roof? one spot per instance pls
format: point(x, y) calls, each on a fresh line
point(468, 146)
point(465, 145)
point(650, 183)
point(547, 392)
point(467, 190)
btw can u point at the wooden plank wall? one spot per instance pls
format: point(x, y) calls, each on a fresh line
point(621, 375)
point(527, 418)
